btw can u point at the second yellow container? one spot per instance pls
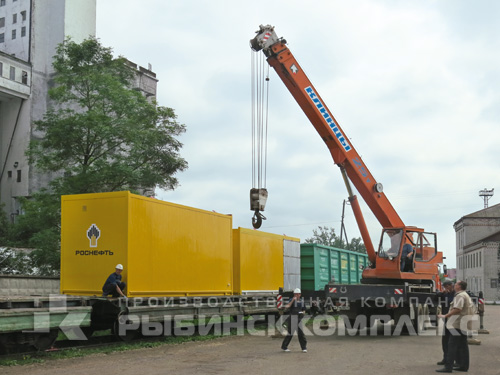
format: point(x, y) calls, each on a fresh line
point(262, 261)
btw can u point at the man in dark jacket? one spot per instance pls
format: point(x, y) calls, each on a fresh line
point(297, 311)
point(445, 298)
point(407, 258)
point(114, 284)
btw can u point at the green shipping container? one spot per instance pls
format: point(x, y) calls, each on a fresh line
point(321, 264)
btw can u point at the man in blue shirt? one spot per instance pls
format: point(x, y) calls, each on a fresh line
point(407, 258)
point(297, 311)
point(114, 284)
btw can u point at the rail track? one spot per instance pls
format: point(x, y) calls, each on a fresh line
point(30, 324)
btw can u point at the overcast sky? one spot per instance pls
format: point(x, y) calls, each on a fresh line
point(415, 86)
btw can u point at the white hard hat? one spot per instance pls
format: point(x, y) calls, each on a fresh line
point(119, 267)
point(297, 290)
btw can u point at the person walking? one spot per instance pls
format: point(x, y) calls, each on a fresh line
point(445, 300)
point(293, 323)
point(461, 311)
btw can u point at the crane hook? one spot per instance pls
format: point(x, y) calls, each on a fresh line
point(257, 219)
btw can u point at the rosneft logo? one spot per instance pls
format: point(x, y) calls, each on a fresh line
point(93, 235)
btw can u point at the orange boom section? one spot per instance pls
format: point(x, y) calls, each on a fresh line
point(425, 258)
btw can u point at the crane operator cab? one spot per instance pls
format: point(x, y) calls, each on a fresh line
point(413, 249)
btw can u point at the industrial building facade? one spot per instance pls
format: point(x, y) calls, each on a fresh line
point(478, 251)
point(30, 31)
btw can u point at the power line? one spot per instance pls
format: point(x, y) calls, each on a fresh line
point(300, 225)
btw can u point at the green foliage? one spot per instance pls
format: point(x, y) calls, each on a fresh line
point(102, 134)
point(13, 262)
point(327, 236)
point(40, 212)
point(39, 229)
point(4, 227)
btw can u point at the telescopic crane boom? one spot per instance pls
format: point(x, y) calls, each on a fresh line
point(354, 170)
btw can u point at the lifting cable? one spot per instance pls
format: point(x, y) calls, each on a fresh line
point(260, 118)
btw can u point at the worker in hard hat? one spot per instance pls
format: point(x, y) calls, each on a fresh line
point(297, 311)
point(114, 284)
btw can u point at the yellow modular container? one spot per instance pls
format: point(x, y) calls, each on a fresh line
point(166, 249)
point(258, 261)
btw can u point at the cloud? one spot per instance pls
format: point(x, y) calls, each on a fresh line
point(413, 85)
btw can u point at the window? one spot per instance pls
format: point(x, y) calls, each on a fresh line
point(18, 175)
point(23, 31)
point(391, 244)
point(9, 174)
point(2, 3)
point(2, 21)
point(2, 37)
point(13, 34)
point(14, 18)
point(12, 75)
point(494, 283)
point(23, 15)
point(24, 77)
point(425, 246)
point(1, 69)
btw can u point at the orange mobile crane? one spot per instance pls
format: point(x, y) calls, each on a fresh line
point(406, 264)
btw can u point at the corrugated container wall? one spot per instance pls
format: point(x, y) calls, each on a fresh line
point(166, 249)
point(323, 264)
point(291, 265)
point(259, 260)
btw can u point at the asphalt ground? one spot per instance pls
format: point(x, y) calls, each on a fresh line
point(344, 353)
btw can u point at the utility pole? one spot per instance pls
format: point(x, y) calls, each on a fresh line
point(486, 195)
point(342, 227)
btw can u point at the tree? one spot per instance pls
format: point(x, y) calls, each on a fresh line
point(37, 229)
point(102, 134)
point(4, 227)
point(327, 236)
